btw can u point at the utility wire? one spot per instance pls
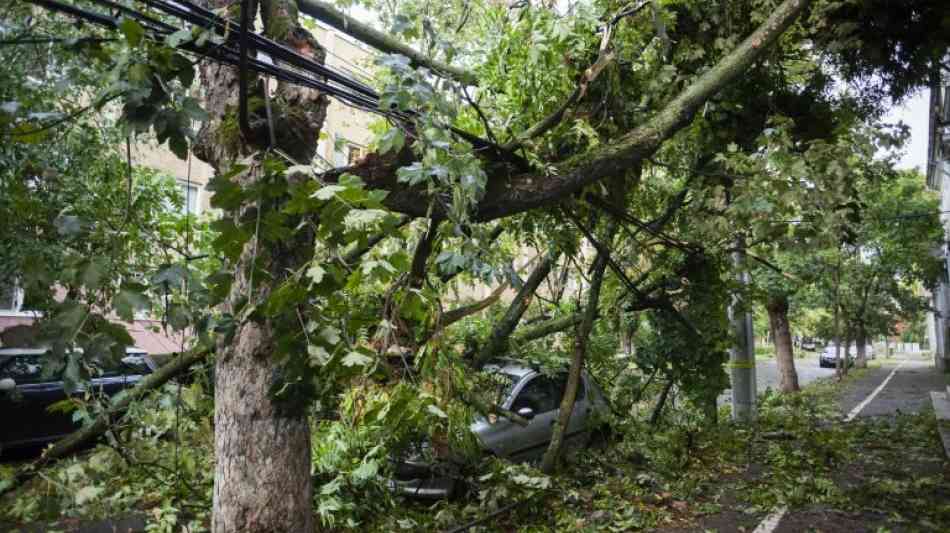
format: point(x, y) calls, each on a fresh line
point(897, 217)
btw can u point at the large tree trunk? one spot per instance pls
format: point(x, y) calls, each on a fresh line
point(262, 477)
point(777, 307)
point(843, 360)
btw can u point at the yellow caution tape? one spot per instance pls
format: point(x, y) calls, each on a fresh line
point(741, 364)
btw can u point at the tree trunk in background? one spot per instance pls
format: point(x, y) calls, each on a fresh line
point(777, 307)
point(843, 359)
point(262, 452)
point(861, 361)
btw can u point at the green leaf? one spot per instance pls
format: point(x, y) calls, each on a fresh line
point(356, 359)
point(129, 299)
point(178, 37)
point(194, 111)
point(87, 494)
point(178, 144)
point(327, 192)
point(132, 30)
point(434, 410)
point(316, 273)
point(318, 355)
point(393, 140)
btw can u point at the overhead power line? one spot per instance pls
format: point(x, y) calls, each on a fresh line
point(882, 219)
point(266, 56)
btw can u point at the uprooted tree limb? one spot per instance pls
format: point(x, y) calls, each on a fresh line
point(454, 315)
point(584, 328)
point(417, 272)
point(547, 327)
point(104, 421)
point(498, 339)
point(379, 40)
point(510, 191)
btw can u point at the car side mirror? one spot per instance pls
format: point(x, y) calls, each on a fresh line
point(7, 384)
point(526, 412)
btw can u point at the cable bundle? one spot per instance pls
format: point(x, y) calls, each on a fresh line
point(268, 58)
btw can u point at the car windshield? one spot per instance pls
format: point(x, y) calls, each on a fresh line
point(494, 386)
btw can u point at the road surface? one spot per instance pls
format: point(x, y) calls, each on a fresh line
point(767, 376)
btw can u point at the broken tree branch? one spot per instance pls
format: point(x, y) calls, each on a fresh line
point(498, 339)
point(379, 40)
point(509, 191)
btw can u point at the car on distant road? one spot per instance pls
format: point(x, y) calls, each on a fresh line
point(827, 357)
point(26, 393)
point(525, 391)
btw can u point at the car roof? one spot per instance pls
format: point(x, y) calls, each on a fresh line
point(513, 367)
point(9, 352)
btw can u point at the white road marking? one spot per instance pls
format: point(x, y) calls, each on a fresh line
point(857, 409)
point(771, 521)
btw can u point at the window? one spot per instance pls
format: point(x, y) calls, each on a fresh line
point(189, 195)
point(538, 394)
point(347, 154)
point(11, 296)
point(560, 383)
point(24, 369)
point(354, 153)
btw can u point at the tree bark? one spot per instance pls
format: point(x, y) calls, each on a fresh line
point(660, 402)
point(262, 479)
point(777, 307)
point(861, 360)
point(547, 327)
point(498, 340)
point(549, 461)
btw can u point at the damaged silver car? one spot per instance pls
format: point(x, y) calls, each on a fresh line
point(525, 391)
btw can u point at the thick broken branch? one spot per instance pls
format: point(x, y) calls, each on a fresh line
point(510, 192)
point(379, 40)
point(498, 339)
point(547, 328)
point(420, 257)
point(454, 315)
point(119, 404)
point(549, 461)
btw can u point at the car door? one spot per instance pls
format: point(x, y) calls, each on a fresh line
point(576, 434)
point(25, 416)
point(529, 442)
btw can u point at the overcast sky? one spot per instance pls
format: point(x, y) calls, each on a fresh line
point(914, 114)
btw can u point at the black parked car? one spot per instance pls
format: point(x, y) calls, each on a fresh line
point(26, 395)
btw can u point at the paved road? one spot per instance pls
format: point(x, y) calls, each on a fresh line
point(767, 376)
point(908, 391)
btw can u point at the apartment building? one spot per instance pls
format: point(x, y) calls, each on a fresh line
point(938, 179)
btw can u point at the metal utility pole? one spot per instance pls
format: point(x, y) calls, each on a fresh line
point(742, 355)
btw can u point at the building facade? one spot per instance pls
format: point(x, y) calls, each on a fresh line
point(938, 179)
